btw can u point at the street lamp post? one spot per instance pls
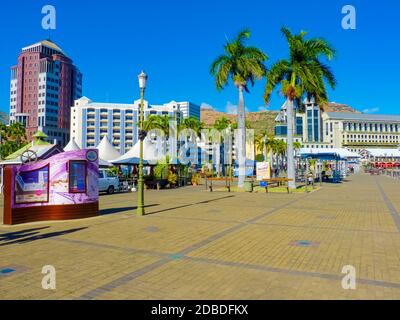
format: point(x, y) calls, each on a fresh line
point(142, 135)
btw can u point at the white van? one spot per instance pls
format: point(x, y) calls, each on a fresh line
point(108, 182)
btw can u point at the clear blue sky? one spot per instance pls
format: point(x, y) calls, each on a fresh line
point(175, 41)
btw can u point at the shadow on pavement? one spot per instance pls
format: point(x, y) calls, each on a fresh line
point(40, 236)
point(189, 205)
point(122, 209)
point(20, 234)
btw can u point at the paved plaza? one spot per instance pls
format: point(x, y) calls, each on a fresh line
point(195, 244)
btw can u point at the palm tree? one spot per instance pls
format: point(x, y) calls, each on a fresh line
point(259, 145)
point(297, 146)
point(157, 122)
point(191, 123)
point(280, 151)
point(270, 148)
point(242, 64)
point(222, 124)
point(303, 73)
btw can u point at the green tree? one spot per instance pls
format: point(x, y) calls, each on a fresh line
point(280, 150)
point(302, 74)
point(12, 138)
point(157, 122)
point(191, 123)
point(297, 146)
point(222, 123)
point(242, 64)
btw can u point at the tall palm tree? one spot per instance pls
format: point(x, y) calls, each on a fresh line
point(302, 74)
point(242, 64)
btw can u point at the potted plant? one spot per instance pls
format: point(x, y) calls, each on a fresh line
point(161, 173)
point(172, 179)
point(195, 179)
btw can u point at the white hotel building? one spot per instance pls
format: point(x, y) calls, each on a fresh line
point(91, 121)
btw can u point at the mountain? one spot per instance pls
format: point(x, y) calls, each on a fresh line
point(260, 121)
point(3, 117)
point(339, 107)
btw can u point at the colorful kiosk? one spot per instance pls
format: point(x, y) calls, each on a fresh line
point(61, 187)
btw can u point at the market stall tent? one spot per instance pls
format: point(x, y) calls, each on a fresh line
point(150, 154)
point(71, 146)
point(106, 150)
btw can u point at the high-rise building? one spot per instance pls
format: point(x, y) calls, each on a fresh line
point(91, 121)
point(44, 85)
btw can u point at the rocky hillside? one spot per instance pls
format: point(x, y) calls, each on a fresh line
point(260, 121)
point(263, 120)
point(339, 107)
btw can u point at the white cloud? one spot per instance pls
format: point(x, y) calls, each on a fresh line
point(207, 106)
point(262, 108)
point(231, 108)
point(371, 110)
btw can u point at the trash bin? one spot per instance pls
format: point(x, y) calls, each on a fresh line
point(248, 185)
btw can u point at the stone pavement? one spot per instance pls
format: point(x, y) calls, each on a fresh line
point(195, 244)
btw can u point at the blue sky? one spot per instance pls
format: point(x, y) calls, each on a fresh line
point(175, 42)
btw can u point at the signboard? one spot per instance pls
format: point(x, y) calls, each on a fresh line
point(32, 186)
point(263, 171)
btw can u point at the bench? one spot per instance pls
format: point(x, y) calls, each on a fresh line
point(227, 184)
point(277, 182)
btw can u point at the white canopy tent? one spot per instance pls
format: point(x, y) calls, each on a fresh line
point(150, 154)
point(71, 146)
point(106, 150)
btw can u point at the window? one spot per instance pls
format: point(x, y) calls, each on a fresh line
point(77, 176)
point(32, 186)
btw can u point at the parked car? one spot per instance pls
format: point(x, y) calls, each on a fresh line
point(108, 182)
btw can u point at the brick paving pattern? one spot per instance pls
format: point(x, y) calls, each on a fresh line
point(195, 244)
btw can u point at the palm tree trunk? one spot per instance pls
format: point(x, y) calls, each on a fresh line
point(265, 151)
point(241, 143)
point(218, 158)
point(271, 163)
point(290, 153)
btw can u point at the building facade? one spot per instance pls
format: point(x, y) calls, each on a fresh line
point(315, 128)
point(308, 126)
point(356, 131)
point(91, 121)
point(43, 87)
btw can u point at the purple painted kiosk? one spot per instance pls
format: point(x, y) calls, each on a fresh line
point(62, 187)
